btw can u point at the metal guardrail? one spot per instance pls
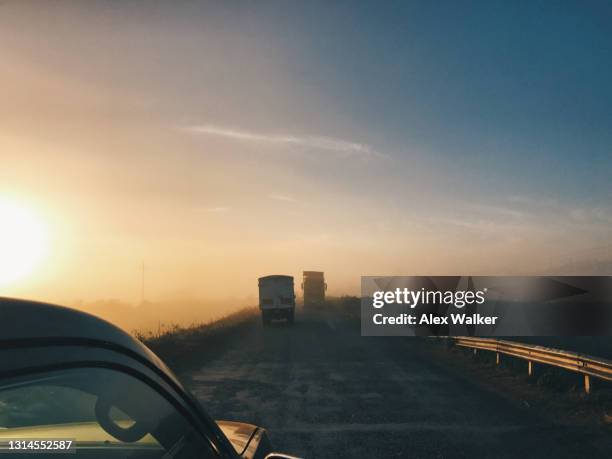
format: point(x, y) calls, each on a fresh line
point(587, 365)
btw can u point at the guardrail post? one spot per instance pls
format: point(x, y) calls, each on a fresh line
point(475, 351)
point(587, 384)
point(530, 368)
point(497, 359)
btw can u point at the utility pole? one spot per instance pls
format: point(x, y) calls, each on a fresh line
point(142, 285)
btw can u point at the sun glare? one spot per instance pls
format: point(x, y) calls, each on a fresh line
point(23, 242)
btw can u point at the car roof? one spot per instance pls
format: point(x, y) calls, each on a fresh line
point(32, 323)
point(24, 320)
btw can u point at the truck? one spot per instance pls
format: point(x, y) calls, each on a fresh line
point(314, 287)
point(276, 298)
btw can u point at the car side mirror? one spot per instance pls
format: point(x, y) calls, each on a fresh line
point(280, 456)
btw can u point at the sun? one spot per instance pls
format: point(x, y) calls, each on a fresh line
point(23, 241)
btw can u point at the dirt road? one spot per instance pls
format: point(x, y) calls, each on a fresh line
point(323, 391)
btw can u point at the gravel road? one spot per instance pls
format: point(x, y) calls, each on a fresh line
point(323, 391)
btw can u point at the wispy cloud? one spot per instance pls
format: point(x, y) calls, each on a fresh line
point(282, 197)
point(218, 210)
point(330, 144)
point(500, 211)
point(591, 215)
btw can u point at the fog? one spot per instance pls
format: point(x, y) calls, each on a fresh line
point(217, 143)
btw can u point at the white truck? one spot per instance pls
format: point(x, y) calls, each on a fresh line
point(276, 298)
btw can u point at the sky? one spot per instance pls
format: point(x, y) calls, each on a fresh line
point(217, 142)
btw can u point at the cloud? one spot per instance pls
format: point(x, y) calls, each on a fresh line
point(339, 146)
point(219, 209)
point(281, 197)
point(500, 211)
point(591, 215)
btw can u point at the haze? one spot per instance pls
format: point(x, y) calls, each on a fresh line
point(219, 142)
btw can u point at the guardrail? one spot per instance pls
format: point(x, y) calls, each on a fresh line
point(585, 364)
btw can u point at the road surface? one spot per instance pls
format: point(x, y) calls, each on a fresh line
point(323, 391)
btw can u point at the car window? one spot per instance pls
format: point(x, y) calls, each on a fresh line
point(105, 413)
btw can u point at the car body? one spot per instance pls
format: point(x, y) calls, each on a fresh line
point(276, 298)
point(68, 375)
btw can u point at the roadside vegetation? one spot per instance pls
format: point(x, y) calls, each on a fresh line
point(181, 347)
point(349, 305)
point(554, 391)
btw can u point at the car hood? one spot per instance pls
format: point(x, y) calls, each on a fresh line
point(245, 438)
point(238, 433)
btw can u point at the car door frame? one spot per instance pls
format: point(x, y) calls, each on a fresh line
point(34, 355)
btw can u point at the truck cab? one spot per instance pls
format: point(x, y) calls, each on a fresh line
point(276, 298)
point(314, 287)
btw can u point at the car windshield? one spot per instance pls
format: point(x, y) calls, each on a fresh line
point(103, 413)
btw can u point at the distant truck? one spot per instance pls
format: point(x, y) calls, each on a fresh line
point(276, 298)
point(314, 287)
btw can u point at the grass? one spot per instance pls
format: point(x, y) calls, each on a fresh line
point(553, 392)
point(349, 305)
point(182, 347)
